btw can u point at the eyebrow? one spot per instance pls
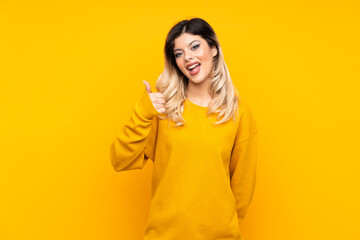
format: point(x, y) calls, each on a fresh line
point(188, 45)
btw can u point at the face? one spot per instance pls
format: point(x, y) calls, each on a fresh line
point(190, 49)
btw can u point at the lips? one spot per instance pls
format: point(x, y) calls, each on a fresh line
point(190, 64)
point(195, 70)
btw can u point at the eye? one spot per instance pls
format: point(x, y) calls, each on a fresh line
point(196, 46)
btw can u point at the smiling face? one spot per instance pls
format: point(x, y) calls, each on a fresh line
point(190, 49)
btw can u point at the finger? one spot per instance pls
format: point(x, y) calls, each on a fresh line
point(158, 94)
point(159, 105)
point(156, 98)
point(159, 100)
point(161, 110)
point(147, 86)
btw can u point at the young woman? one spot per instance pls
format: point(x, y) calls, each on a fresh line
point(201, 138)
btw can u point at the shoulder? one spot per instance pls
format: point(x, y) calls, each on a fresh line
point(243, 107)
point(246, 121)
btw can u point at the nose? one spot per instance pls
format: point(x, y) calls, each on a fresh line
point(188, 56)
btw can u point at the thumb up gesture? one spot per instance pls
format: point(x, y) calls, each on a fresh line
point(157, 98)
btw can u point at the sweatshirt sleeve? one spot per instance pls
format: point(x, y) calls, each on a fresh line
point(136, 141)
point(243, 162)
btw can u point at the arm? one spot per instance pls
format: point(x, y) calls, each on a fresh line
point(243, 162)
point(136, 141)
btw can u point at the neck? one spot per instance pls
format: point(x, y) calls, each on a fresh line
point(199, 93)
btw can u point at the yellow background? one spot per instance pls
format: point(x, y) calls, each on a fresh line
point(71, 72)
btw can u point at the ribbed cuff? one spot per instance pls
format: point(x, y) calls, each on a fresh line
point(145, 107)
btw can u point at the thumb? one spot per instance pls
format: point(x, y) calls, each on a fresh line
point(147, 86)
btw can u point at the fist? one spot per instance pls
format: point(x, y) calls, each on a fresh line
point(157, 98)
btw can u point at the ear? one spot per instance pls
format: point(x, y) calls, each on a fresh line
point(214, 51)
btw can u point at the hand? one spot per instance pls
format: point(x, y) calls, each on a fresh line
point(157, 98)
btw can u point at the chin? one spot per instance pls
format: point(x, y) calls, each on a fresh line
point(197, 81)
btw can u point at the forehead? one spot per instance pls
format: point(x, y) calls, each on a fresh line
point(186, 38)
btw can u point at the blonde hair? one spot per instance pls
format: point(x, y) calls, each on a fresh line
point(172, 83)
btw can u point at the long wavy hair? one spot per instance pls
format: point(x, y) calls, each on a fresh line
point(172, 83)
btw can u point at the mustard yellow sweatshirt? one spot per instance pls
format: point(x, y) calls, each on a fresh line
point(203, 175)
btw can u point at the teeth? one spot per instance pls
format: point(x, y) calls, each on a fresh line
point(192, 66)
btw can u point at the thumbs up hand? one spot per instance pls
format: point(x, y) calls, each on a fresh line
point(157, 98)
